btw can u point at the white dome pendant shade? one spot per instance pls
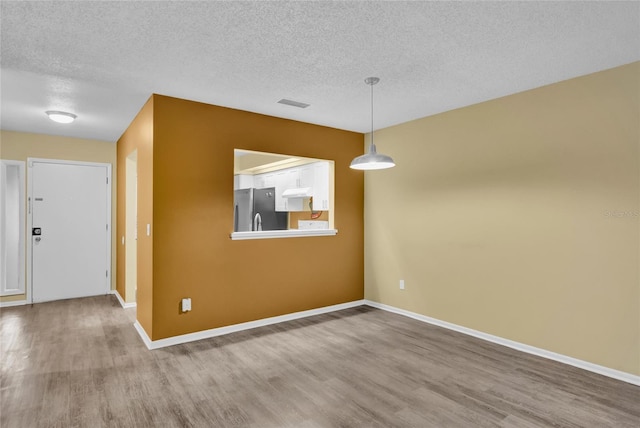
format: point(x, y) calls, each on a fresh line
point(372, 159)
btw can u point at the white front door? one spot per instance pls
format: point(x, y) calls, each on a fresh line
point(70, 205)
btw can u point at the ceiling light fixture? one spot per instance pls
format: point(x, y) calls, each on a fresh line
point(372, 159)
point(61, 116)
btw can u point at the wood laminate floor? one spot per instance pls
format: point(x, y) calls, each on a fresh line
point(80, 363)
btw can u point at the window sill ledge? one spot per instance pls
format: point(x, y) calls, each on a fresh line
point(291, 233)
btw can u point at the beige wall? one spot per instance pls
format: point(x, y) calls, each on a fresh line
point(518, 217)
point(21, 145)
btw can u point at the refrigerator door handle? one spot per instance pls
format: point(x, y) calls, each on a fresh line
point(236, 217)
point(257, 222)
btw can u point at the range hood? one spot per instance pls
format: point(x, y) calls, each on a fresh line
point(302, 192)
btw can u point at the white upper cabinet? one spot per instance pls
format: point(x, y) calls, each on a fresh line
point(292, 181)
point(280, 185)
point(307, 177)
point(293, 178)
point(258, 181)
point(314, 176)
point(270, 179)
point(321, 186)
point(243, 181)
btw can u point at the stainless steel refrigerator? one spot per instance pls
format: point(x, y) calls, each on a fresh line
point(255, 209)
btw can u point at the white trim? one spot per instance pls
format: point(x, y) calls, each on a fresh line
point(291, 233)
point(29, 241)
point(13, 303)
point(206, 334)
point(585, 365)
point(143, 335)
point(124, 304)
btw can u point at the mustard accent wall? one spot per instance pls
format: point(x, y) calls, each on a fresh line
point(138, 136)
point(23, 145)
point(518, 217)
point(228, 281)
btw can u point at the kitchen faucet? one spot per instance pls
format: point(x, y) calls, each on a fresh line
point(257, 222)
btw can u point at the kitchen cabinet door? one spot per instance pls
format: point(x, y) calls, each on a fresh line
point(307, 176)
point(270, 179)
point(258, 181)
point(242, 181)
point(292, 182)
point(321, 186)
point(280, 181)
point(293, 178)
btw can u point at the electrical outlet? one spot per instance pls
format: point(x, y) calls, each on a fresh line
point(402, 284)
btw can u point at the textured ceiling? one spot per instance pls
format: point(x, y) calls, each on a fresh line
point(102, 60)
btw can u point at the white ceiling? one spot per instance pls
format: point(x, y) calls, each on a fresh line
point(102, 60)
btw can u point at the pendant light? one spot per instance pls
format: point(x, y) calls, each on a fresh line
point(372, 159)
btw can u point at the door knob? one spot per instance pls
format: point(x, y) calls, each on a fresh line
point(38, 239)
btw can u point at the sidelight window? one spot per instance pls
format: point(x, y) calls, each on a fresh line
point(12, 227)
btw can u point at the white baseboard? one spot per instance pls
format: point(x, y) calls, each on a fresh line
point(124, 304)
point(605, 371)
point(206, 334)
point(143, 335)
point(13, 303)
point(191, 337)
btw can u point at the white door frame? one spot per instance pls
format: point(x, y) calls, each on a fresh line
point(29, 241)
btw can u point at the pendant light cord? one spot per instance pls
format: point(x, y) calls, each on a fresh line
point(372, 147)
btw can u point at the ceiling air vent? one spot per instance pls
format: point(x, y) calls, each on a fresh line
point(293, 103)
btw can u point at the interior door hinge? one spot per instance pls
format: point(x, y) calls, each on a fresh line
point(107, 180)
point(106, 273)
point(107, 226)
